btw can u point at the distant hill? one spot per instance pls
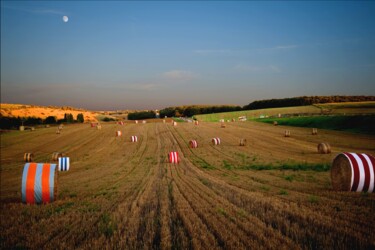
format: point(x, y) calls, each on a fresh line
point(305, 101)
point(22, 110)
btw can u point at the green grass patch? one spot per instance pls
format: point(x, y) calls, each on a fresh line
point(283, 192)
point(227, 165)
point(313, 199)
point(354, 123)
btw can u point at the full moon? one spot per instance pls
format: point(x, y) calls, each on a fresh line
point(65, 19)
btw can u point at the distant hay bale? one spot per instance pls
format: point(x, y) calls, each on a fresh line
point(163, 121)
point(56, 155)
point(118, 133)
point(28, 157)
point(60, 126)
point(193, 144)
point(39, 183)
point(32, 128)
point(99, 127)
point(136, 121)
point(64, 163)
point(94, 124)
point(196, 123)
point(134, 138)
point(242, 142)
point(47, 126)
point(353, 172)
point(58, 131)
point(221, 120)
point(222, 125)
point(324, 148)
point(144, 122)
point(216, 141)
point(174, 124)
point(22, 128)
point(275, 123)
point(233, 120)
point(287, 133)
point(173, 157)
point(120, 123)
point(314, 131)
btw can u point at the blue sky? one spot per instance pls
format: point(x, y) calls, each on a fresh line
point(154, 54)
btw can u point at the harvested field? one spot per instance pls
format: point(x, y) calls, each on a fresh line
point(124, 195)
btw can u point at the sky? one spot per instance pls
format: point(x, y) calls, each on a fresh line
point(156, 54)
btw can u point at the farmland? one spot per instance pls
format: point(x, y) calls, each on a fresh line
point(126, 195)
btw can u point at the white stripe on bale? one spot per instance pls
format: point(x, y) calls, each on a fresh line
point(64, 163)
point(372, 174)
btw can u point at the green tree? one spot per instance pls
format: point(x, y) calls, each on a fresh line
point(50, 120)
point(80, 118)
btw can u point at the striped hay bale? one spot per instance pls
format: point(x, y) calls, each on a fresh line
point(216, 141)
point(64, 163)
point(134, 138)
point(314, 131)
point(56, 155)
point(324, 148)
point(118, 133)
point(242, 142)
point(93, 124)
point(287, 133)
point(353, 172)
point(28, 157)
point(120, 123)
point(173, 157)
point(193, 144)
point(39, 183)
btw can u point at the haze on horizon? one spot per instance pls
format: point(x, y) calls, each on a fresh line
point(147, 55)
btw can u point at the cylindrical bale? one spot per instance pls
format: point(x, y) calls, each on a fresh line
point(47, 126)
point(242, 142)
point(22, 128)
point(120, 123)
point(174, 124)
point(134, 138)
point(58, 131)
point(136, 121)
point(233, 120)
point(118, 133)
point(143, 121)
point(196, 123)
point(64, 163)
point(353, 172)
point(94, 124)
point(275, 123)
point(314, 131)
point(324, 148)
point(287, 133)
point(61, 127)
point(216, 141)
point(173, 157)
point(163, 121)
point(222, 125)
point(28, 157)
point(32, 129)
point(56, 155)
point(39, 183)
point(193, 144)
point(99, 127)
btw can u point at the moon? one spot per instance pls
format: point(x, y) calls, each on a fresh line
point(65, 19)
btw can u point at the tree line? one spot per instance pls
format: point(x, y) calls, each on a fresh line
point(15, 122)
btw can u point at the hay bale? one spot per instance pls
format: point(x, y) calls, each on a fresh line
point(233, 120)
point(287, 133)
point(173, 157)
point(353, 172)
point(47, 126)
point(163, 121)
point(134, 138)
point(222, 125)
point(120, 123)
point(196, 123)
point(64, 164)
point(174, 124)
point(32, 128)
point(275, 123)
point(242, 142)
point(118, 133)
point(216, 141)
point(22, 128)
point(28, 157)
point(99, 127)
point(314, 131)
point(56, 155)
point(193, 144)
point(136, 121)
point(39, 183)
point(144, 122)
point(58, 131)
point(324, 148)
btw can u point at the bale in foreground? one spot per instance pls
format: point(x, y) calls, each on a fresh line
point(39, 183)
point(353, 172)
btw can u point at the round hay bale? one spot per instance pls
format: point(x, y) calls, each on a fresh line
point(196, 123)
point(233, 120)
point(99, 127)
point(353, 172)
point(174, 124)
point(163, 121)
point(118, 133)
point(28, 157)
point(61, 127)
point(39, 183)
point(173, 157)
point(94, 124)
point(47, 126)
point(144, 122)
point(136, 121)
point(314, 131)
point(22, 128)
point(58, 131)
point(32, 129)
point(193, 144)
point(64, 164)
point(275, 123)
point(216, 141)
point(242, 142)
point(120, 123)
point(324, 148)
point(287, 133)
point(222, 125)
point(134, 138)
point(56, 155)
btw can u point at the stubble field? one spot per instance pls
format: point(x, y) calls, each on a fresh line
point(125, 195)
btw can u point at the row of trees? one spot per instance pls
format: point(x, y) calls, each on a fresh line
point(15, 122)
point(305, 100)
point(141, 115)
point(188, 111)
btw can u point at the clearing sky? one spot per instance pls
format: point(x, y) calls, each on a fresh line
point(151, 54)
